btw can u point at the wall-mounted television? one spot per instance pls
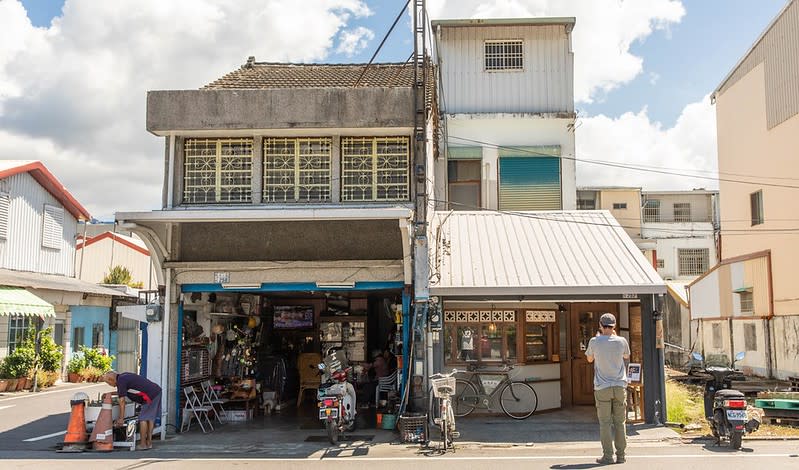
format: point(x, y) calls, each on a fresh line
point(288, 317)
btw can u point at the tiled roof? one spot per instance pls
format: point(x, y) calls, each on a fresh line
point(257, 75)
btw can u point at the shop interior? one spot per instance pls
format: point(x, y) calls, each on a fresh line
point(259, 351)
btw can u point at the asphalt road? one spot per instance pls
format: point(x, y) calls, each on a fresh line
point(25, 416)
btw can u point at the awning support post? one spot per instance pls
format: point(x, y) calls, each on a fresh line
point(653, 366)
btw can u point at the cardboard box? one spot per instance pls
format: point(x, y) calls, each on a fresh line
point(238, 415)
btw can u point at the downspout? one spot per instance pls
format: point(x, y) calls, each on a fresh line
point(771, 359)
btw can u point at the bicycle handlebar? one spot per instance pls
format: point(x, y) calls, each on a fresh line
point(441, 375)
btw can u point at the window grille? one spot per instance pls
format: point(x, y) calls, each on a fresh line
point(374, 169)
point(586, 204)
point(5, 209)
point(682, 212)
point(53, 227)
point(693, 261)
point(756, 206)
point(652, 210)
point(18, 326)
point(747, 302)
point(661, 264)
point(217, 171)
point(297, 170)
point(504, 55)
point(620, 205)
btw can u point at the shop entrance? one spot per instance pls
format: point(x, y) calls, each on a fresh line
point(260, 351)
point(584, 324)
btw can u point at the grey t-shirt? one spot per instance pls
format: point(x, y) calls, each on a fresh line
point(609, 366)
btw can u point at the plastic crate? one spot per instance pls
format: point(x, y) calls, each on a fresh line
point(413, 428)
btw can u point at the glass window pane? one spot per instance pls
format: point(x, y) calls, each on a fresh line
point(536, 342)
point(510, 342)
point(466, 343)
point(491, 343)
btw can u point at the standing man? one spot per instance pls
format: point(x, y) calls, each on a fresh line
point(609, 353)
point(140, 390)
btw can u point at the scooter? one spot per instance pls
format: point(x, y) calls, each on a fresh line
point(725, 408)
point(336, 395)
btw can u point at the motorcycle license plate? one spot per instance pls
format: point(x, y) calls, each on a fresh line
point(325, 413)
point(736, 415)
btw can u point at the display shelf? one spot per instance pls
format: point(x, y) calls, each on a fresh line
point(347, 332)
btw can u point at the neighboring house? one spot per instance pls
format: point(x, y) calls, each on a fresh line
point(99, 253)
point(750, 301)
point(38, 232)
point(287, 186)
point(525, 279)
point(623, 203)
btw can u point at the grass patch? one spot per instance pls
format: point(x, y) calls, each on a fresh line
point(684, 404)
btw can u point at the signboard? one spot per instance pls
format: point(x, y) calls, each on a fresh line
point(634, 372)
point(221, 277)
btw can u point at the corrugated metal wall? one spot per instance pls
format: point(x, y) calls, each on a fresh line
point(778, 50)
point(126, 348)
point(756, 276)
point(22, 250)
point(545, 85)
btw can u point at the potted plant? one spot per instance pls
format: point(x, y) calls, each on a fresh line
point(18, 364)
point(74, 367)
point(3, 377)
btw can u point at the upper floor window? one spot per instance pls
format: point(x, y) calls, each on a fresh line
point(586, 204)
point(217, 171)
point(504, 55)
point(619, 205)
point(375, 169)
point(52, 227)
point(297, 170)
point(692, 261)
point(747, 301)
point(652, 210)
point(463, 178)
point(682, 212)
point(5, 209)
point(756, 206)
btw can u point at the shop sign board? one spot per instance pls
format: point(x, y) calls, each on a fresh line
point(221, 277)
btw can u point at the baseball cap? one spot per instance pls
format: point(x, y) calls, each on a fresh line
point(607, 319)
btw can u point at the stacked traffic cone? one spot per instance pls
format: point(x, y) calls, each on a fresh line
point(103, 433)
point(76, 438)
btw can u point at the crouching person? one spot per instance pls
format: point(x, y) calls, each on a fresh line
point(142, 391)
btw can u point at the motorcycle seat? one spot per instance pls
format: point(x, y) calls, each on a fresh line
point(729, 394)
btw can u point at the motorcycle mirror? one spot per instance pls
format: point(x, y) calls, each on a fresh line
point(321, 366)
point(696, 356)
point(740, 356)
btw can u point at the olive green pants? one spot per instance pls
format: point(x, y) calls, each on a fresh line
point(611, 409)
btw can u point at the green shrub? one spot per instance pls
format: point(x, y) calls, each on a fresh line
point(19, 363)
point(50, 354)
point(97, 359)
point(77, 363)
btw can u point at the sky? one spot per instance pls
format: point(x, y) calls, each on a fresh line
point(74, 76)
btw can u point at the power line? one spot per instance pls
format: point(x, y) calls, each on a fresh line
point(619, 165)
point(385, 37)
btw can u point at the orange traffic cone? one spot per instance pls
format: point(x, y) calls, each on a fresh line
point(103, 433)
point(76, 438)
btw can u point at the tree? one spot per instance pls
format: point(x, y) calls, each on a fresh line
point(121, 275)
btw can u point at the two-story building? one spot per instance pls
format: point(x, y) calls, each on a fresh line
point(750, 300)
point(286, 225)
point(38, 234)
point(520, 275)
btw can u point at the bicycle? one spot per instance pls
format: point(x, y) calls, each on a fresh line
point(443, 387)
point(517, 398)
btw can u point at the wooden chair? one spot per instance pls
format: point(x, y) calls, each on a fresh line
point(309, 374)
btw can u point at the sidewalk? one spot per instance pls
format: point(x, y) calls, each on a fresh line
point(58, 387)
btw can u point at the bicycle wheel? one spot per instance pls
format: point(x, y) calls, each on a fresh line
point(518, 400)
point(444, 425)
point(466, 398)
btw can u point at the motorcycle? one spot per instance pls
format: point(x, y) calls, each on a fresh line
point(336, 395)
point(725, 408)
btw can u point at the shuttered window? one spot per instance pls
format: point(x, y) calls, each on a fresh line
point(529, 183)
point(5, 205)
point(53, 227)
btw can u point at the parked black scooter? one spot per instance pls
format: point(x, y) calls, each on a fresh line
point(725, 408)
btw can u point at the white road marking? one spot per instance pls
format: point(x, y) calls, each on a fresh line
point(39, 394)
point(33, 439)
point(731, 455)
point(7, 406)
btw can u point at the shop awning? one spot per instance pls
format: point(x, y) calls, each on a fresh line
point(54, 282)
point(561, 254)
point(18, 301)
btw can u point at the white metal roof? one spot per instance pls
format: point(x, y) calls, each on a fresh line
point(54, 282)
point(537, 253)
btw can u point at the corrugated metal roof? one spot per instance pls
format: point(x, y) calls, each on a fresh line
point(537, 253)
point(54, 282)
point(48, 181)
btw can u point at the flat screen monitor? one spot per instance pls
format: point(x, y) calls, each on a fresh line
point(288, 317)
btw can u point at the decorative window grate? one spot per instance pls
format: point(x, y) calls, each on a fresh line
point(693, 261)
point(652, 210)
point(540, 316)
point(217, 171)
point(747, 302)
point(375, 168)
point(297, 170)
point(53, 227)
point(504, 55)
point(682, 212)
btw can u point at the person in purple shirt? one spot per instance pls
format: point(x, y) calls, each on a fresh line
point(142, 391)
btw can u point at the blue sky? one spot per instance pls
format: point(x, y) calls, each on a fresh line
point(681, 64)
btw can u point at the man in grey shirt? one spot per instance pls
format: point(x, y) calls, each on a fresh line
point(609, 354)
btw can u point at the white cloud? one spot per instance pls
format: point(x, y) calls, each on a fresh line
point(602, 36)
point(633, 139)
point(353, 41)
point(73, 94)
